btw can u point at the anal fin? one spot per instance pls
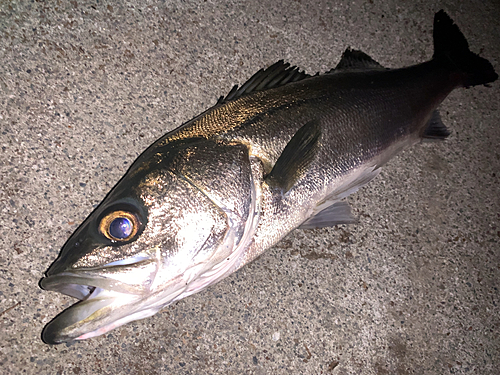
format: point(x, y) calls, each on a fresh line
point(436, 130)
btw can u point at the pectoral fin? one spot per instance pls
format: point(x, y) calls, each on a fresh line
point(296, 157)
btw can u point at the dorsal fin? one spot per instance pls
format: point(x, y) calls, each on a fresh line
point(276, 75)
point(356, 60)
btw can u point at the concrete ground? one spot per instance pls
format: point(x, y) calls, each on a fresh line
point(85, 86)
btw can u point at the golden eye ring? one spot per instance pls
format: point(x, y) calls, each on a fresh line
point(119, 226)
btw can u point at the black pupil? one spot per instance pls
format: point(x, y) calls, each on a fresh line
point(120, 228)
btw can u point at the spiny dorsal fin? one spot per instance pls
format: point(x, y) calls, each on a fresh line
point(296, 157)
point(276, 75)
point(356, 60)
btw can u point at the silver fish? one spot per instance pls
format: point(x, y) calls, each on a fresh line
point(278, 153)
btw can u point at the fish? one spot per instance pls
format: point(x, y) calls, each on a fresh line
point(277, 153)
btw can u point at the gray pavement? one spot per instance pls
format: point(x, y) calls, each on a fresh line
point(85, 86)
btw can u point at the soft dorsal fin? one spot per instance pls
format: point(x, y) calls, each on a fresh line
point(356, 60)
point(296, 157)
point(276, 75)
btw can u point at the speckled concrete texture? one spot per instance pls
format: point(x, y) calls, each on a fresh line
point(85, 86)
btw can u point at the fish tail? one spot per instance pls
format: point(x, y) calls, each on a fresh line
point(452, 49)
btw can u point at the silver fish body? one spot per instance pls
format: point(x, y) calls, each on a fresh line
point(280, 152)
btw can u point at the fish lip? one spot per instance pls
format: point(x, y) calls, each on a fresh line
point(74, 285)
point(102, 302)
point(60, 328)
point(71, 283)
point(97, 311)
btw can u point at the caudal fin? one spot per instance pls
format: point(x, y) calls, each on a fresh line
point(451, 47)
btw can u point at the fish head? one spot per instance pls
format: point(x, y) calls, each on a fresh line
point(144, 247)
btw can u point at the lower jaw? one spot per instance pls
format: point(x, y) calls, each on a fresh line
point(97, 313)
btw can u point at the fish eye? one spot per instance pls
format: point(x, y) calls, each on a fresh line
point(119, 226)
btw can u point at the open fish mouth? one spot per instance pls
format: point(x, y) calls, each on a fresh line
point(104, 305)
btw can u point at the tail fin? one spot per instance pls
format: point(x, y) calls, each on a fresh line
point(451, 47)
